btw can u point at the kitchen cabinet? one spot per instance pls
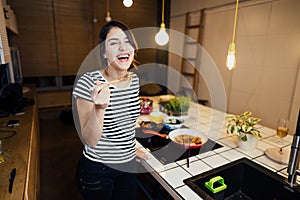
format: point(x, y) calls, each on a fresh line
point(36, 39)
point(146, 182)
point(55, 36)
point(73, 29)
point(4, 46)
point(10, 18)
point(49, 99)
point(21, 151)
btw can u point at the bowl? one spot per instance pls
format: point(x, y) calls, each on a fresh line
point(172, 123)
point(157, 117)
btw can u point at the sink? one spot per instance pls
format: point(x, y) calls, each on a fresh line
point(244, 179)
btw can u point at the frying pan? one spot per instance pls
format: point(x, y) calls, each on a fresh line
point(178, 132)
point(191, 132)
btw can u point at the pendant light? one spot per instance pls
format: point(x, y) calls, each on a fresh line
point(162, 37)
point(107, 18)
point(231, 61)
point(127, 3)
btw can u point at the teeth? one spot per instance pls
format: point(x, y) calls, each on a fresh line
point(123, 57)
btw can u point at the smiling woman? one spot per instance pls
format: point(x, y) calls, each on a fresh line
point(107, 106)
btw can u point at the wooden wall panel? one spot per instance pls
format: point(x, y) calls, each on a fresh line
point(55, 36)
point(74, 33)
point(36, 39)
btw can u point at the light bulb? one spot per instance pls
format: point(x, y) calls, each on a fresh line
point(95, 20)
point(127, 3)
point(162, 37)
point(108, 18)
point(231, 61)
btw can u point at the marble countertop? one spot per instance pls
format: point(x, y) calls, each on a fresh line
point(212, 123)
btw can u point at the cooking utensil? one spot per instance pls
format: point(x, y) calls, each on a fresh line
point(122, 78)
point(147, 131)
point(190, 132)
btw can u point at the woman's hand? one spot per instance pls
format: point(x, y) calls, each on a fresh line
point(100, 95)
point(140, 154)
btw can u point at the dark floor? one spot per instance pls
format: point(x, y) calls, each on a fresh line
point(60, 148)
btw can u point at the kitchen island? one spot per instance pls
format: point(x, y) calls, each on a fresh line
point(212, 123)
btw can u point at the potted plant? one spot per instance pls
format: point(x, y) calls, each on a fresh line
point(178, 105)
point(244, 127)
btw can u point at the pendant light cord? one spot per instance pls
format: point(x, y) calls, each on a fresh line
point(107, 7)
point(163, 12)
point(235, 19)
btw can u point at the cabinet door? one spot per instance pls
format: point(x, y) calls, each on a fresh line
point(73, 21)
point(4, 48)
point(54, 35)
point(36, 38)
point(10, 18)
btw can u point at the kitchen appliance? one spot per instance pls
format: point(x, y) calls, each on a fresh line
point(167, 151)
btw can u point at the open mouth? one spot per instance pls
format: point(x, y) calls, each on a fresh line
point(123, 57)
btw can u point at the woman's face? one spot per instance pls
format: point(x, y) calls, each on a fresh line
point(118, 50)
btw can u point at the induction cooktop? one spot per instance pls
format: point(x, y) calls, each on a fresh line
point(165, 150)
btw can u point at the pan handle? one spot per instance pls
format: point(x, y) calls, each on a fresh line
point(146, 131)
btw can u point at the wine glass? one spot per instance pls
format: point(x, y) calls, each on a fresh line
point(282, 129)
point(278, 154)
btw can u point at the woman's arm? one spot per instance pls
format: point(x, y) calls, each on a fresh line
point(91, 114)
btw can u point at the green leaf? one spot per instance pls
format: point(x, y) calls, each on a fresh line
point(249, 129)
point(236, 130)
point(230, 128)
point(178, 104)
point(246, 114)
point(244, 128)
point(244, 138)
point(256, 133)
point(230, 117)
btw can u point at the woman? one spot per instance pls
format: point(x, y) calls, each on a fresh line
point(107, 115)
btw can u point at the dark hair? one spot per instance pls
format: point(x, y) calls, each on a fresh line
point(103, 34)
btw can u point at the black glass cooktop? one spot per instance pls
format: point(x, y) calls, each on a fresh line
point(167, 151)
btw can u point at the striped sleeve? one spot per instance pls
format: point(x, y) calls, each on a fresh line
point(83, 85)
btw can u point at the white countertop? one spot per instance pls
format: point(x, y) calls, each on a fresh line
point(212, 123)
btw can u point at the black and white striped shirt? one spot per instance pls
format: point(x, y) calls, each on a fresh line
point(117, 142)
